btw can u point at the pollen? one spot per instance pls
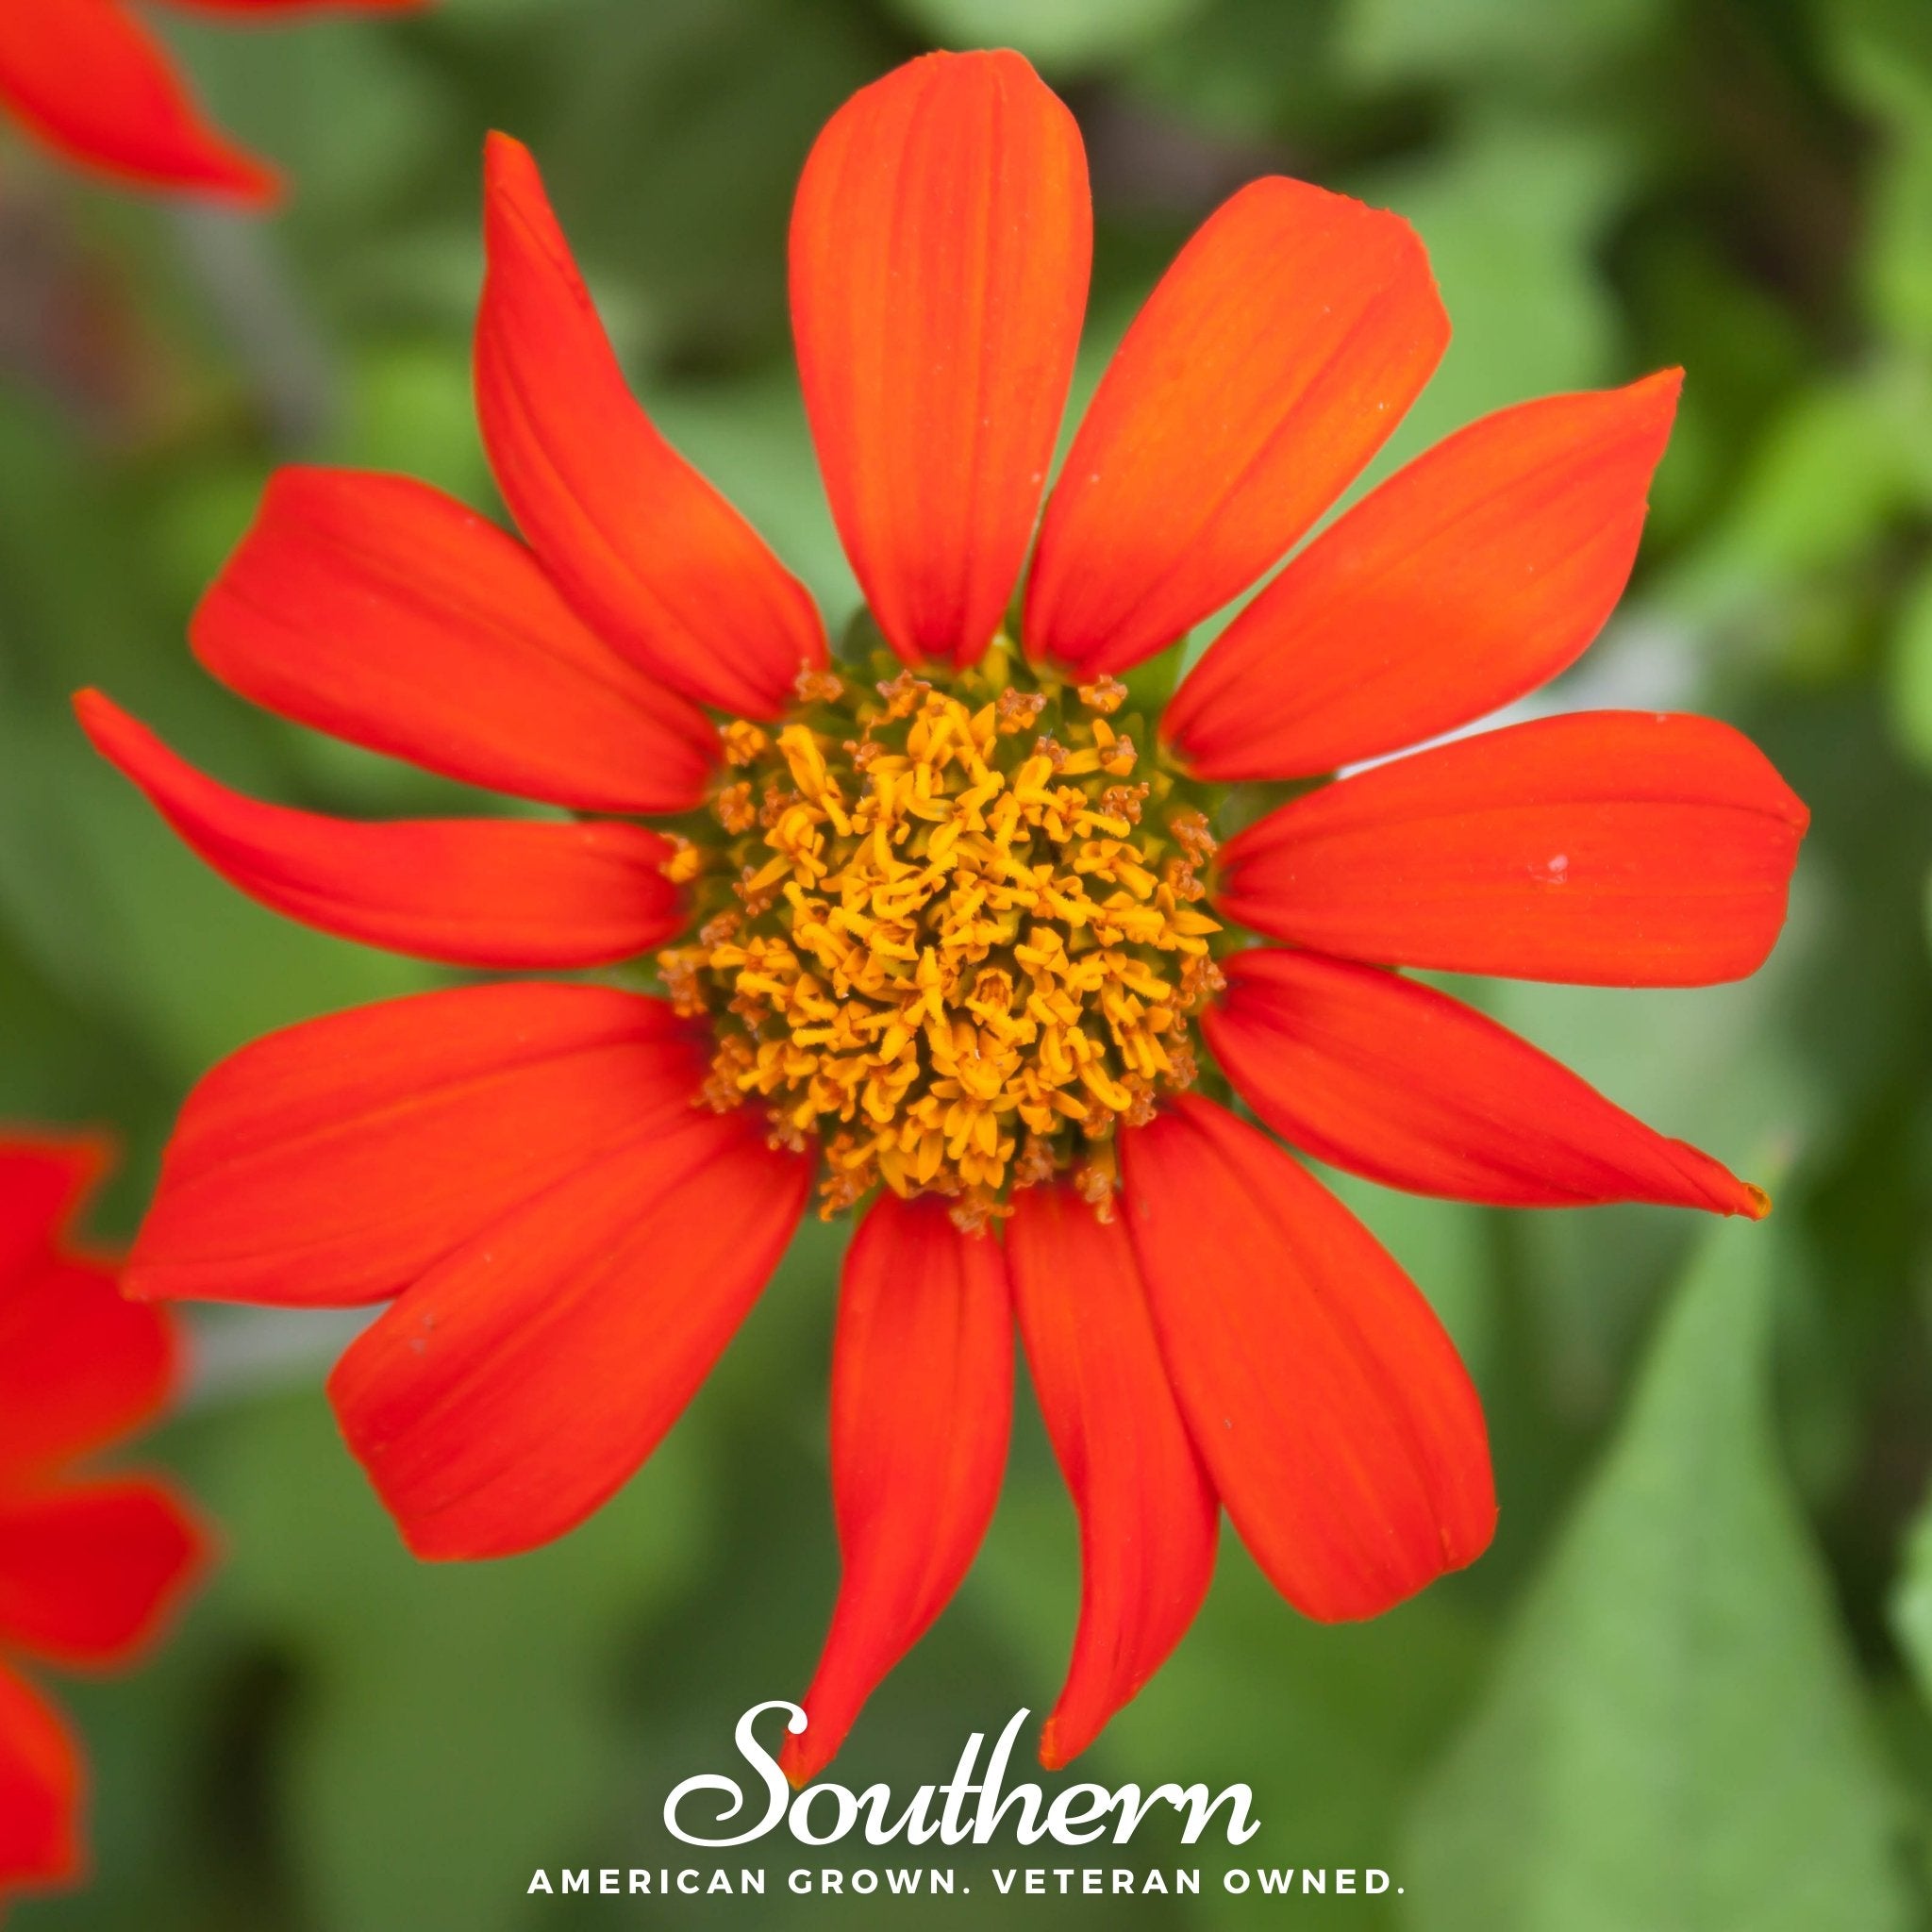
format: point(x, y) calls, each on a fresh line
point(949, 932)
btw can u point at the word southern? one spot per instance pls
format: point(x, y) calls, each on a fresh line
point(972, 1805)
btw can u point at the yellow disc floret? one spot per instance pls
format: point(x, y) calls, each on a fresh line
point(954, 935)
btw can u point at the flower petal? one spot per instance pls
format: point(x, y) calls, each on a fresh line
point(383, 611)
point(43, 1179)
point(940, 243)
point(922, 1405)
point(1470, 577)
point(515, 1388)
point(42, 1782)
point(473, 892)
point(1337, 1422)
point(1615, 848)
point(1148, 1513)
point(1269, 365)
point(88, 1572)
point(653, 558)
point(335, 1162)
point(1374, 1074)
point(79, 1366)
point(90, 81)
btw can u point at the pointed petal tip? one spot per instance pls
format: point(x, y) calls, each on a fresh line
point(922, 1406)
point(116, 734)
point(1321, 1049)
point(254, 185)
point(804, 1753)
point(1147, 1511)
point(1059, 1746)
point(224, 175)
point(1664, 382)
point(502, 151)
point(231, 178)
point(509, 171)
point(505, 893)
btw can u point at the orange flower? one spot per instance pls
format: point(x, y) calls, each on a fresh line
point(86, 80)
point(947, 932)
point(91, 1566)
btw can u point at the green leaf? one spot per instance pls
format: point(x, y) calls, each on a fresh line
point(337, 104)
point(456, 1725)
point(1513, 214)
point(1911, 1603)
point(1911, 670)
point(1058, 34)
point(1675, 1740)
point(1474, 39)
point(1841, 466)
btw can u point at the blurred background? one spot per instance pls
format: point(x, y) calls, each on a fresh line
point(1687, 1688)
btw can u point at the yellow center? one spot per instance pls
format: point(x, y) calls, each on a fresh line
point(952, 934)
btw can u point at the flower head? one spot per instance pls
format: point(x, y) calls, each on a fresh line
point(948, 932)
point(86, 80)
point(91, 1565)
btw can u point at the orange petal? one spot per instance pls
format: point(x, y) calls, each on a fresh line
point(1615, 848)
point(939, 249)
point(922, 1403)
point(1333, 1413)
point(383, 611)
point(516, 1387)
point(42, 1784)
point(337, 1161)
point(79, 1367)
point(653, 558)
point(44, 1177)
point(1148, 1513)
point(1480, 570)
point(88, 80)
point(89, 1571)
point(473, 892)
point(1374, 1074)
point(1269, 365)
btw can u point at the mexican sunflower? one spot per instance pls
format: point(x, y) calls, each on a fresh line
point(91, 1564)
point(86, 80)
point(947, 931)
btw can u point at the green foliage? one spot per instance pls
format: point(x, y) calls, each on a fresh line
point(1675, 1736)
point(1468, 40)
point(1059, 35)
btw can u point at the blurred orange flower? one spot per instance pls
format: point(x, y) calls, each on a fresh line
point(86, 80)
point(91, 1565)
